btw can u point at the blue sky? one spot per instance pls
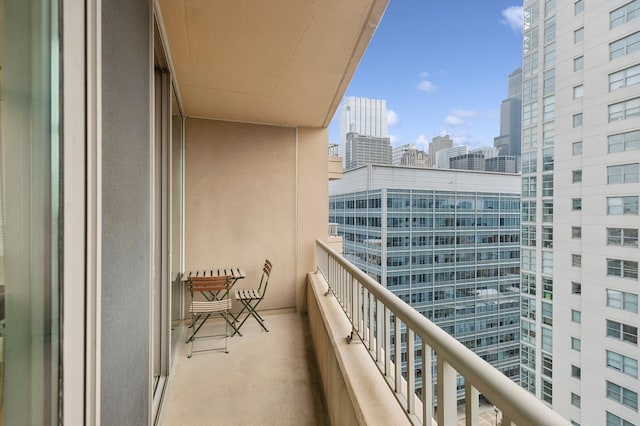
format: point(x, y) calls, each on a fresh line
point(442, 66)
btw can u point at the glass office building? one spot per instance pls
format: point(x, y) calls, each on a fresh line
point(446, 242)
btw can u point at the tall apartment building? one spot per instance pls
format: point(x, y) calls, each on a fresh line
point(367, 117)
point(443, 156)
point(362, 149)
point(580, 186)
point(446, 242)
point(439, 142)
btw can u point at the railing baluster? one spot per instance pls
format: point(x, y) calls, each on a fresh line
point(411, 372)
point(380, 339)
point(387, 342)
point(397, 351)
point(447, 394)
point(471, 404)
point(370, 320)
point(427, 386)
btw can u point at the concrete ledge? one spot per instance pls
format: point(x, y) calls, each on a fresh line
point(355, 391)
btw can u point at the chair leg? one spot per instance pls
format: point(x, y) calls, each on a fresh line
point(251, 312)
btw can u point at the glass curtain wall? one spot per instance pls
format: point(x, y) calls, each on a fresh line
point(29, 212)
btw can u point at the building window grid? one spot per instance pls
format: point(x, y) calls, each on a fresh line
point(624, 14)
point(576, 260)
point(578, 35)
point(622, 205)
point(549, 58)
point(622, 300)
point(622, 268)
point(613, 420)
point(576, 344)
point(624, 78)
point(578, 91)
point(576, 287)
point(577, 120)
point(576, 316)
point(575, 400)
point(629, 141)
point(576, 372)
point(622, 363)
point(622, 395)
point(576, 148)
point(578, 63)
point(624, 46)
point(576, 176)
point(578, 7)
point(624, 237)
point(624, 332)
point(624, 110)
point(623, 173)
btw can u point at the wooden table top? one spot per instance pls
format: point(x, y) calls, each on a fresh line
point(236, 273)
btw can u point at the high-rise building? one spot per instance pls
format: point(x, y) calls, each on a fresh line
point(509, 140)
point(361, 150)
point(415, 158)
point(469, 161)
point(444, 155)
point(398, 151)
point(438, 143)
point(446, 242)
point(500, 164)
point(367, 117)
point(580, 186)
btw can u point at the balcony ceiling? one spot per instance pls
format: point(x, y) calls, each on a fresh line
point(282, 62)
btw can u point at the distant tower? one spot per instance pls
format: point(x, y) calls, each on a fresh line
point(509, 141)
point(438, 143)
point(366, 117)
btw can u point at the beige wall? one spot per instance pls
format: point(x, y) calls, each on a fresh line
point(244, 203)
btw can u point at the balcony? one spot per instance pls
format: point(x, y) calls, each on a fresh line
point(344, 350)
point(335, 163)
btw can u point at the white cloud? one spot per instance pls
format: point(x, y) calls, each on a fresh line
point(426, 86)
point(513, 17)
point(424, 74)
point(393, 139)
point(452, 120)
point(392, 118)
point(464, 113)
point(422, 143)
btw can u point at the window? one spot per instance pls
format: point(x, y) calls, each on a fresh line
point(531, 15)
point(578, 7)
point(578, 91)
point(575, 400)
point(528, 260)
point(625, 13)
point(529, 138)
point(530, 64)
point(530, 41)
point(622, 300)
point(548, 108)
point(548, 133)
point(547, 365)
point(624, 78)
point(528, 211)
point(622, 395)
point(578, 63)
point(547, 237)
point(576, 344)
point(547, 184)
point(576, 316)
point(530, 90)
point(622, 268)
point(623, 173)
point(577, 120)
point(576, 148)
point(549, 58)
point(622, 205)
point(578, 35)
point(575, 372)
point(626, 237)
point(576, 288)
point(624, 332)
point(629, 141)
point(549, 82)
point(529, 162)
point(550, 30)
point(547, 391)
point(547, 339)
point(547, 283)
point(622, 363)
point(547, 319)
point(547, 161)
point(576, 232)
point(547, 211)
point(576, 260)
point(624, 110)
point(576, 204)
point(530, 114)
point(576, 176)
point(624, 46)
point(529, 187)
point(613, 420)
point(529, 235)
point(549, 7)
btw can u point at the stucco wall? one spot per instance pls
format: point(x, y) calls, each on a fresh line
point(254, 192)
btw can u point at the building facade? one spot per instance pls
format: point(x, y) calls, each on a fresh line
point(367, 117)
point(415, 158)
point(443, 156)
point(398, 151)
point(446, 242)
point(501, 164)
point(580, 186)
point(362, 149)
point(439, 142)
point(509, 140)
point(470, 161)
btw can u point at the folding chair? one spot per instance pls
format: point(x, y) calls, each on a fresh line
point(251, 298)
point(201, 310)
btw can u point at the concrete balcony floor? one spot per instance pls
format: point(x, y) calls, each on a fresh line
point(265, 379)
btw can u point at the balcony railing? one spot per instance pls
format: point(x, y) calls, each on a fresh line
point(378, 317)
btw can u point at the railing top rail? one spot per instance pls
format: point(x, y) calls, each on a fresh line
point(515, 402)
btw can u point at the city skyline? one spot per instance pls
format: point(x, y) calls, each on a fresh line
point(425, 80)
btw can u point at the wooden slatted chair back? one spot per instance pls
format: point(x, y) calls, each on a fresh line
point(220, 283)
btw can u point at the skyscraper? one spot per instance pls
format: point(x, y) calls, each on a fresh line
point(446, 242)
point(580, 186)
point(438, 143)
point(361, 150)
point(509, 140)
point(367, 117)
